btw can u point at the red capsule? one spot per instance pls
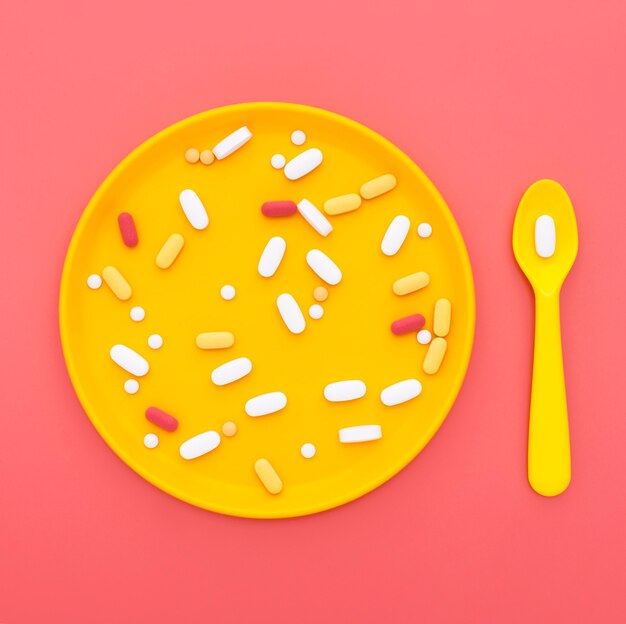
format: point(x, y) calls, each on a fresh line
point(408, 324)
point(161, 419)
point(279, 208)
point(127, 229)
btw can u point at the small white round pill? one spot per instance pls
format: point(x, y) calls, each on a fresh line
point(155, 341)
point(298, 137)
point(424, 230)
point(131, 386)
point(151, 440)
point(424, 336)
point(316, 311)
point(308, 450)
point(278, 161)
point(94, 281)
point(137, 313)
point(228, 292)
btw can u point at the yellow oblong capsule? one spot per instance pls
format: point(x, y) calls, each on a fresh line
point(343, 203)
point(269, 477)
point(378, 186)
point(411, 283)
point(170, 250)
point(116, 282)
point(215, 340)
point(441, 318)
point(434, 355)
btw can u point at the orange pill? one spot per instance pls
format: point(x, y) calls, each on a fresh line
point(320, 293)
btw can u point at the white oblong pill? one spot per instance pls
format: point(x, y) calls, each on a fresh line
point(291, 313)
point(315, 218)
point(395, 235)
point(545, 236)
point(360, 433)
point(200, 445)
point(401, 392)
point(231, 371)
point(194, 209)
point(345, 390)
point(265, 404)
point(324, 267)
point(272, 256)
point(303, 163)
point(232, 142)
point(129, 360)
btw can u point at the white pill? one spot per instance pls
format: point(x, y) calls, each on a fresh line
point(323, 267)
point(137, 313)
point(228, 292)
point(151, 440)
point(316, 311)
point(360, 433)
point(424, 336)
point(155, 341)
point(345, 390)
point(545, 236)
point(272, 256)
point(232, 143)
point(308, 450)
point(231, 371)
point(94, 281)
point(303, 163)
point(131, 386)
point(395, 235)
point(424, 230)
point(401, 392)
point(194, 209)
point(298, 137)
point(200, 445)
point(265, 404)
point(278, 161)
point(129, 360)
point(291, 313)
point(315, 218)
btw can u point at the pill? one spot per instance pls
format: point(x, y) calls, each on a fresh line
point(129, 360)
point(231, 371)
point(434, 355)
point(303, 164)
point(279, 208)
point(545, 236)
point(131, 386)
point(215, 340)
point(272, 256)
point(395, 235)
point(316, 311)
point(137, 314)
point(323, 267)
point(320, 293)
point(343, 203)
point(378, 186)
point(411, 283)
point(155, 341)
point(161, 419)
point(206, 157)
point(424, 230)
point(360, 433)
point(298, 137)
point(291, 313)
point(401, 392)
point(229, 429)
point(265, 404)
point(194, 209)
point(192, 155)
point(127, 229)
point(200, 445)
point(314, 218)
point(308, 450)
point(348, 390)
point(441, 317)
point(94, 281)
point(268, 476)
point(424, 336)
point(151, 440)
point(228, 292)
point(116, 282)
point(278, 161)
point(407, 324)
point(232, 142)
point(170, 250)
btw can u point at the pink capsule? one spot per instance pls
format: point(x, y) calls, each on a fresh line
point(408, 324)
point(279, 208)
point(127, 229)
point(161, 419)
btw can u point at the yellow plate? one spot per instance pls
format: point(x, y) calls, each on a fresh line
point(351, 341)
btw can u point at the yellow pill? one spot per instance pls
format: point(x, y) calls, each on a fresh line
point(320, 293)
point(229, 429)
point(411, 283)
point(269, 478)
point(206, 157)
point(116, 282)
point(341, 204)
point(192, 155)
point(441, 318)
point(215, 340)
point(434, 355)
point(170, 250)
point(378, 186)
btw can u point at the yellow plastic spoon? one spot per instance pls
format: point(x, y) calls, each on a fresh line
point(549, 463)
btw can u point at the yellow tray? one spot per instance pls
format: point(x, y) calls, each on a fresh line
point(351, 341)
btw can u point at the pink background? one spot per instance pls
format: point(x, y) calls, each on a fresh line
point(487, 97)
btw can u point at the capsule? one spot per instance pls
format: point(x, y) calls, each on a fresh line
point(395, 235)
point(378, 186)
point(303, 163)
point(272, 256)
point(215, 340)
point(411, 283)
point(342, 204)
point(279, 208)
point(545, 236)
point(348, 390)
point(268, 476)
point(408, 324)
point(129, 360)
point(200, 445)
point(161, 419)
point(194, 209)
point(127, 229)
point(116, 282)
point(265, 404)
point(291, 313)
point(170, 250)
point(401, 392)
point(324, 267)
point(441, 318)
point(434, 355)
point(231, 371)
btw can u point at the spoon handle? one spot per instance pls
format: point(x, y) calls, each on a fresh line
point(549, 464)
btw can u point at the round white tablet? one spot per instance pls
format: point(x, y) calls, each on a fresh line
point(316, 311)
point(424, 230)
point(228, 292)
point(137, 313)
point(308, 450)
point(131, 386)
point(155, 341)
point(278, 161)
point(94, 281)
point(424, 336)
point(298, 137)
point(151, 440)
